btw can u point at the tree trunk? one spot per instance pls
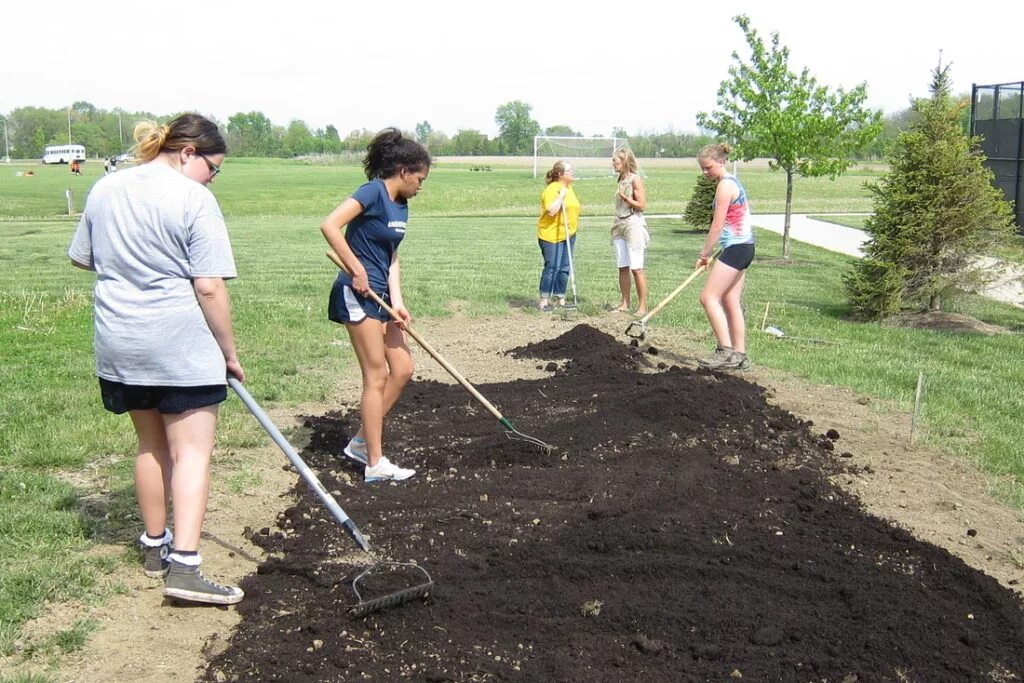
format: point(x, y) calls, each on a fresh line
point(789, 208)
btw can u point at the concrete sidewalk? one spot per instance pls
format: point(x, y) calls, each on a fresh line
point(802, 228)
point(1007, 286)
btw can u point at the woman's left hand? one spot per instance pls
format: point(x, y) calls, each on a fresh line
point(405, 317)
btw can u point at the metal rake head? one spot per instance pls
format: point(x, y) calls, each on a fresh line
point(637, 329)
point(516, 435)
point(393, 598)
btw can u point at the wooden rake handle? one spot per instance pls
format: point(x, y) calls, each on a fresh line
point(675, 292)
point(426, 347)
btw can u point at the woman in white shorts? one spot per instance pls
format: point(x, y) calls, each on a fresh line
point(629, 231)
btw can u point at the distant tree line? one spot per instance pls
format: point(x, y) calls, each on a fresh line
point(252, 134)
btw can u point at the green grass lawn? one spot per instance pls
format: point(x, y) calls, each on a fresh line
point(848, 221)
point(471, 238)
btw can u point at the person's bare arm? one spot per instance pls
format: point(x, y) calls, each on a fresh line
point(212, 294)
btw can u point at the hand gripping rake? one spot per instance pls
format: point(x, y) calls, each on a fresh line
point(638, 328)
point(510, 431)
point(363, 607)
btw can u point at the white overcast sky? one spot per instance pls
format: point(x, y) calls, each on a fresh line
point(643, 65)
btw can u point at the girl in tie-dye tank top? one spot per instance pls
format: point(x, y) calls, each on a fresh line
point(731, 229)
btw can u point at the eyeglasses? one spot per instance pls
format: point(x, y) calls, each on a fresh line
point(214, 168)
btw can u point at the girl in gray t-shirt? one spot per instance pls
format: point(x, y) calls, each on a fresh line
point(164, 343)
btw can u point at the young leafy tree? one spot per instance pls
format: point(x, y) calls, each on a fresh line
point(766, 110)
point(936, 210)
point(698, 210)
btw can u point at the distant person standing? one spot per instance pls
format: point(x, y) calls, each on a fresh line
point(556, 233)
point(732, 230)
point(365, 231)
point(629, 231)
point(164, 343)
point(76, 167)
point(113, 164)
point(106, 165)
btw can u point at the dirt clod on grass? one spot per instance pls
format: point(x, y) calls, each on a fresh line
point(701, 518)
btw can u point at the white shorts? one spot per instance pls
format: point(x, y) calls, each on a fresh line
point(628, 257)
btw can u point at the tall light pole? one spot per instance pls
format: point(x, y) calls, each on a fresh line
point(120, 133)
point(69, 125)
point(7, 144)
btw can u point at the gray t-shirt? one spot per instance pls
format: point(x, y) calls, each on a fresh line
point(147, 232)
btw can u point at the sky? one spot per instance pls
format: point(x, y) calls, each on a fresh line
point(641, 65)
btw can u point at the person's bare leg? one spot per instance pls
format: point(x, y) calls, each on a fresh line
point(624, 290)
point(368, 342)
point(720, 280)
point(190, 437)
point(641, 291)
point(400, 369)
point(152, 470)
point(733, 306)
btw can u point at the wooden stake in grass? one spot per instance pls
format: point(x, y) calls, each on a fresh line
point(764, 320)
point(917, 406)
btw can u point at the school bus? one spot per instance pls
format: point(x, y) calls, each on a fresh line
point(63, 154)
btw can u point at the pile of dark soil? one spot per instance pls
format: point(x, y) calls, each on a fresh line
point(684, 529)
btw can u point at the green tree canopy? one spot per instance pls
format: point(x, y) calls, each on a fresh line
point(562, 130)
point(252, 134)
point(766, 110)
point(936, 210)
point(517, 128)
point(423, 130)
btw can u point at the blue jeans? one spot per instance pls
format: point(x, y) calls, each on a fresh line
point(555, 276)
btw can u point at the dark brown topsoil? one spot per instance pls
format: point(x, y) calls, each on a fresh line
point(683, 530)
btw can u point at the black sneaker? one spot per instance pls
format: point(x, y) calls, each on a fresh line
point(155, 564)
point(188, 583)
point(154, 557)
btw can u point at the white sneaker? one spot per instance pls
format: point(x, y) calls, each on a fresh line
point(386, 470)
point(356, 449)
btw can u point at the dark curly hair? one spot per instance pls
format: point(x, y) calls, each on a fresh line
point(390, 151)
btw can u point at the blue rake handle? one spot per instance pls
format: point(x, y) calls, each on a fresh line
point(304, 471)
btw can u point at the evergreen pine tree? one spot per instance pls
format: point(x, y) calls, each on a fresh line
point(698, 210)
point(936, 211)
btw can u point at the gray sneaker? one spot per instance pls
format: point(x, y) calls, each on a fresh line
point(188, 583)
point(737, 361)
point(718, 359)
point(154, 560)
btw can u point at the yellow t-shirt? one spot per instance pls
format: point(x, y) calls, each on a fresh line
point(551, 228)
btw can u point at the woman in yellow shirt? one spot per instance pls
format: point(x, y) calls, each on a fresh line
point(556, 233)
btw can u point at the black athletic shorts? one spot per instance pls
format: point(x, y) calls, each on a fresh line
point(738, 256)
point(120, 398)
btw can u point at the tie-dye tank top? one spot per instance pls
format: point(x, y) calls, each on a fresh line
point(738, 228)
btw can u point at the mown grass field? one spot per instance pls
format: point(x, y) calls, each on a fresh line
point(471, 239)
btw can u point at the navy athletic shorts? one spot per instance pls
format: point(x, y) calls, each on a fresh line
point(348, 306)
point(738, 256)
point(120, 398)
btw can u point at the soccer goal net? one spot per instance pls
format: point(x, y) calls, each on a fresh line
point(590, 157)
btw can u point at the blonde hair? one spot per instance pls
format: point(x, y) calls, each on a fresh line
point(627, 159)
point(557, 171)
point(719, 151)
point(187, 130)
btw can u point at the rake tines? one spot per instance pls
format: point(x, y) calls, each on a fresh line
point(392, 599)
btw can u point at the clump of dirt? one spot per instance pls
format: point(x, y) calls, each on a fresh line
point(684, 529)
point(944, 322)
